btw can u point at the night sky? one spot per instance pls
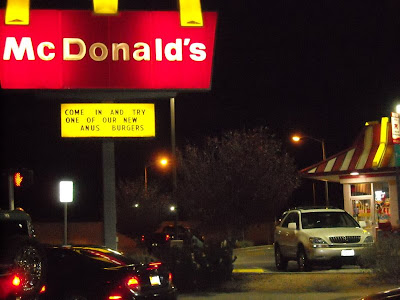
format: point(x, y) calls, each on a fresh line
point(322, 68)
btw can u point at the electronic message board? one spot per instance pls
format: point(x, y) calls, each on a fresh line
point(107, 120)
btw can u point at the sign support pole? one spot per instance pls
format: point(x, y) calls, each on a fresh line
point(110, 215)
point(65, 223)
point(173, 150)
point(11, 191)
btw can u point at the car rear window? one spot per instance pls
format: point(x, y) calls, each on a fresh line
point(327, 219)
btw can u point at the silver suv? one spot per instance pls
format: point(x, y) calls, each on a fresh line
point(319, 235)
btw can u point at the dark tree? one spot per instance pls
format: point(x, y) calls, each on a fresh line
point(140, 211)
point(241, 178)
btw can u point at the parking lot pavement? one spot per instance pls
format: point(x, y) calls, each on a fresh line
point(274, 296)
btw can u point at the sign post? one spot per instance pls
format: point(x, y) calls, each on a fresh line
point(66, 195)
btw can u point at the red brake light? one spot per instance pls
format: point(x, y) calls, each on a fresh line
point(114, 297)
point(16, 281)
point(170, 278)
point(154, 265)
point(167, 237)
point(133, 282)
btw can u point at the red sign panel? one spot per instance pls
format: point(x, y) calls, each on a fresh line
point(68, 49)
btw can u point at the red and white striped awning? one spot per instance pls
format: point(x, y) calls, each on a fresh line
point(372, 153)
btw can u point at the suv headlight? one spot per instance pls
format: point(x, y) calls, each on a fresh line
point(369, 239)
point(318, 242)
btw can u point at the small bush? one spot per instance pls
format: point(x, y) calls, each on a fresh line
point(243, 244)
point(384, 258)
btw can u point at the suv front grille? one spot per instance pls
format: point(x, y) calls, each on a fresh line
point(345, 239)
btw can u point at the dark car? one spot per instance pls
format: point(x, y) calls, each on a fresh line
point(390, 294)
point(22, 257)
point(98, 273)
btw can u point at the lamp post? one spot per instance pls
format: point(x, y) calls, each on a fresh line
point(297, 139)
point(163, 162)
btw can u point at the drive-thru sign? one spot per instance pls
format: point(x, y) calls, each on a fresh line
point(71, 49)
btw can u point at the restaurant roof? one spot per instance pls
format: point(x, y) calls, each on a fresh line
point(371, 154)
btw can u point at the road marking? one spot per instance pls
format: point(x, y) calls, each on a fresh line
point(248, 271)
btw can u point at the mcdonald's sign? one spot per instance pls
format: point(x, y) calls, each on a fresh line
point(72, 49)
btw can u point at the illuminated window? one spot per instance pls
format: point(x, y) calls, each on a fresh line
point(382, 189)
point(361, 189)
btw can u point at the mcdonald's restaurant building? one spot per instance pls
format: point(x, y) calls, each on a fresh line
point(369, 174)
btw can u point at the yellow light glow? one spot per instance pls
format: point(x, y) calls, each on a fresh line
point(296, 138)
point(17, 12)
point(164, 162)
point(105, 7)
point(383, 143)
point(190, 13)
point(107, 120)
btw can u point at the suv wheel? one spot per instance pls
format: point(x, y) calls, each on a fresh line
point(28, 257)
point(302, 260)
point(280, 261)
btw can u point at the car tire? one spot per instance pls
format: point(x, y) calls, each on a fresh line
point(28, 256)
point(281, 262)
point(303, 263)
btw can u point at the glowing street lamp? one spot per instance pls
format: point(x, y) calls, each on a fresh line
point(298, 138)
point(162, 162)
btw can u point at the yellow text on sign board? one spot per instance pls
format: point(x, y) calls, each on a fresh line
point(107, 120)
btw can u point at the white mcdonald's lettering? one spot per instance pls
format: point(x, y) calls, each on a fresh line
point(67, 47)
point(26, 46)
point(99, 51)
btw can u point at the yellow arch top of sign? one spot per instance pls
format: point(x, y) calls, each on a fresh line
point(105, 7)
point(190, 13)
point(17, 12)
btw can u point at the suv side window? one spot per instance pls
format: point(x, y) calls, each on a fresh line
point(293, 217)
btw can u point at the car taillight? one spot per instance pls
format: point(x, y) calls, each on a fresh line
point(133, 283)
point(170, 278)
point(42, 290)
point(154, 265)
point(114, 297)
point(167, 237)
point(16, 281)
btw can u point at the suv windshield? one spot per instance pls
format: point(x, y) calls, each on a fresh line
point(327, 219)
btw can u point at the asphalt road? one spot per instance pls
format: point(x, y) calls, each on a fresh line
point(260, 260)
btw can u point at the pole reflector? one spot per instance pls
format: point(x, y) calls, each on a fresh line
point(190, 13)
point(17, 12)
point(105, 7)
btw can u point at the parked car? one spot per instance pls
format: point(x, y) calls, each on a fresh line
point(319, 235)
point(389, 294)
point(161, 239)
point(98, 273)
point(22, 257)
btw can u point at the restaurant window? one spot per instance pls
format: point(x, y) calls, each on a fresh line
point(361, 189)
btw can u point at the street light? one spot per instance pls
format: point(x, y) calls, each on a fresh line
point(298, 138)
point(162, 162)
